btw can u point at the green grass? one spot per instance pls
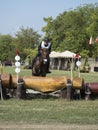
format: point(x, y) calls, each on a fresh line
point(11, 70)
point(50, 110)
point(88, 77)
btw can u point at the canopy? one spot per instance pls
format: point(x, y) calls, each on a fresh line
point(65, 54)
point(54, 54)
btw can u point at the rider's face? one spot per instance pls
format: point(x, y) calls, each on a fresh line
point(46, 43)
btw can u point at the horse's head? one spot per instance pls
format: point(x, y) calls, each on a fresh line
point(40, 65)
point(44, 54)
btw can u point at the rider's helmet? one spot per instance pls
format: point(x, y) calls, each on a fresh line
point(46, 40)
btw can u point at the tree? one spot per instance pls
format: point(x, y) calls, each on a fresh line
point(5, 47)
point(26, 39)
point(72, 29)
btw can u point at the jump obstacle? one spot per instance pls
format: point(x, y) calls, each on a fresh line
point(41, 84)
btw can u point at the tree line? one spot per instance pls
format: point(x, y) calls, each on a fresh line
point(70, 30)
point(25, 41)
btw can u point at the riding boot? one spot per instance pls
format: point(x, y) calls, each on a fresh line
point(47, 69)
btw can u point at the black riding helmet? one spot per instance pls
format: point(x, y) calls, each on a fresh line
point(46, 40)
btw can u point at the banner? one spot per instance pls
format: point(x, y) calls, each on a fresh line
point(91, 41)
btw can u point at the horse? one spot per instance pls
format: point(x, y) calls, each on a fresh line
point(40, 64)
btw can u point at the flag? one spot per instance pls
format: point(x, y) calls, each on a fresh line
point(91, 41)
point(17, 52)
point(96, 39)
point(76, 56)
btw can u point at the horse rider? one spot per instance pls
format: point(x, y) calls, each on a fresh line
point(47, 45)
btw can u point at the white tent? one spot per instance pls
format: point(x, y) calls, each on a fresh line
point(54, 54)
point(68, 54)
point(65, 54)
point(60, 60)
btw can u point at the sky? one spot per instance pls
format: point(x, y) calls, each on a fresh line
point(30, 13)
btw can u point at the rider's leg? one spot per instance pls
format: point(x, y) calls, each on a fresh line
point(48, 66)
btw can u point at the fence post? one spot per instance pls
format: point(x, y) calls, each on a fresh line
point(21, 91)
point(1, 92)
point(87, 93)
point(69, 89)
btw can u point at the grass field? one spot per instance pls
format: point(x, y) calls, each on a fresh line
point(88, 77)
point(50, 113)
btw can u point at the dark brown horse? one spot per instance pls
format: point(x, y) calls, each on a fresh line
point(40, 64)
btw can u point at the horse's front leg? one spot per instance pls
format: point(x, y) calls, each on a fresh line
point(43, 70)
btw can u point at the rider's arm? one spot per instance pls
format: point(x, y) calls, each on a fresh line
point(50, 49)
point(39, 48)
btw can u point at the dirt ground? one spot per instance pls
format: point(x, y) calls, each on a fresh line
point(10, 126)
